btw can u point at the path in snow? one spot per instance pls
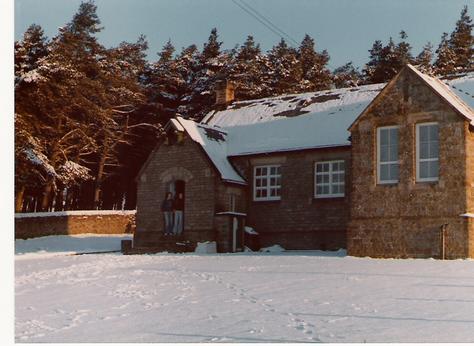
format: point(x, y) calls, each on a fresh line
point(292, 297)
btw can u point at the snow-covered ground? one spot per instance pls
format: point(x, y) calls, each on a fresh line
point(247, 297)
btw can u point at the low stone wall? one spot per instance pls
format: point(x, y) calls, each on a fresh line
point(31, 225)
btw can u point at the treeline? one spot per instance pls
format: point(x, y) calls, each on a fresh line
point(86, 116)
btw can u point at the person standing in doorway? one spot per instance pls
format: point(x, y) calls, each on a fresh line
point(167, 209)
point(178, 207)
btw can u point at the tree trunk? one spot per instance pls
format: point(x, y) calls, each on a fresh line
point(45, 200)
point(19, 199)
point(48, 189)
point(100, 176)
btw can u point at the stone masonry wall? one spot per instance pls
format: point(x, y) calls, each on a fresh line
point(469, 130)
point(180, 161)
point(31, 227)
point(403, 219)
point(298, 220)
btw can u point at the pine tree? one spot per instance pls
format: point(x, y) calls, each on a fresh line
point(424, 59)
point(403, 54)
point(445, 61)
point(315, 74)
point(374, 61)
point(285, 69)
point(28, 53)
point(386, 61)
point(248, 71)
point(212, 46)
point(461, 42)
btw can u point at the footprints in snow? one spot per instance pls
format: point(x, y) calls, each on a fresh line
point(298, 324)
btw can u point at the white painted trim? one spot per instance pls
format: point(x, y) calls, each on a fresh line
point(417, 134)
point(378, 163)
point(333, 195)
point(267, 187)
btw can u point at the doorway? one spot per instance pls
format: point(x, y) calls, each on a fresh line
point(177, 187)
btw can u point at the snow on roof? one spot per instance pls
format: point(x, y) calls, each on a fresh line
point(289, 106)
point(451, 93)
point(175, 123)
point(293, 122)
point(463, 87)
point(214, 142)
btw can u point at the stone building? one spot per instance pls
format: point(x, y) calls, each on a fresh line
point(289, 168)
point(413, 171)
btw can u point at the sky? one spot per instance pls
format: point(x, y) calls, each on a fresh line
point(346, 28)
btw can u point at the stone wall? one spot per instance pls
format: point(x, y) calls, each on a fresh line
point(29, 226)
point(298, 220)
point(403, 219)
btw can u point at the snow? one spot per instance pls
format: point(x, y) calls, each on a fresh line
point(76, 212)
point(468, 215)
point(39, 159)
point(71, 172)
point(273, 248)
point(216, 149)
point(293, 296)
point(175, 123)
point(250, 230)
point(463, 87)
point(348, 100)
point(67, 244)
point(206, 247)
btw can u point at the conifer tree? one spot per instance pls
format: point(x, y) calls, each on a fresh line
point(248, 71)
point(445, 61)
point(461, 42)
point(424, 60)
point(374, 61)
point(313, 65)
point(286, 72)
point(212, 46)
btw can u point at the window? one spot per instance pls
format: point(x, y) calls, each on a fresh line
point(387, 155)
point(267, 183)
point(329, 179)
point(427, 152)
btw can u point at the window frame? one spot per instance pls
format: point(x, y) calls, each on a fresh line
point(268, 187)
point(378, 161)
point(418, 147)
point(330, 183)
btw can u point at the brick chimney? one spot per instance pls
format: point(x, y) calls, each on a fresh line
point(224, 92)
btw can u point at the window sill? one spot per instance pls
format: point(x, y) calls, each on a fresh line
point(329, 197)
point(266, 200)
point(427, 181)
point(388, 183)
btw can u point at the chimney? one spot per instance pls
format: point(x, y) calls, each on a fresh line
point(224, 92)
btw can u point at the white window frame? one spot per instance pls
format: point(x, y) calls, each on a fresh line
point(418, 160)
point(268, 187)
point(330, 183)
point(379, 163)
